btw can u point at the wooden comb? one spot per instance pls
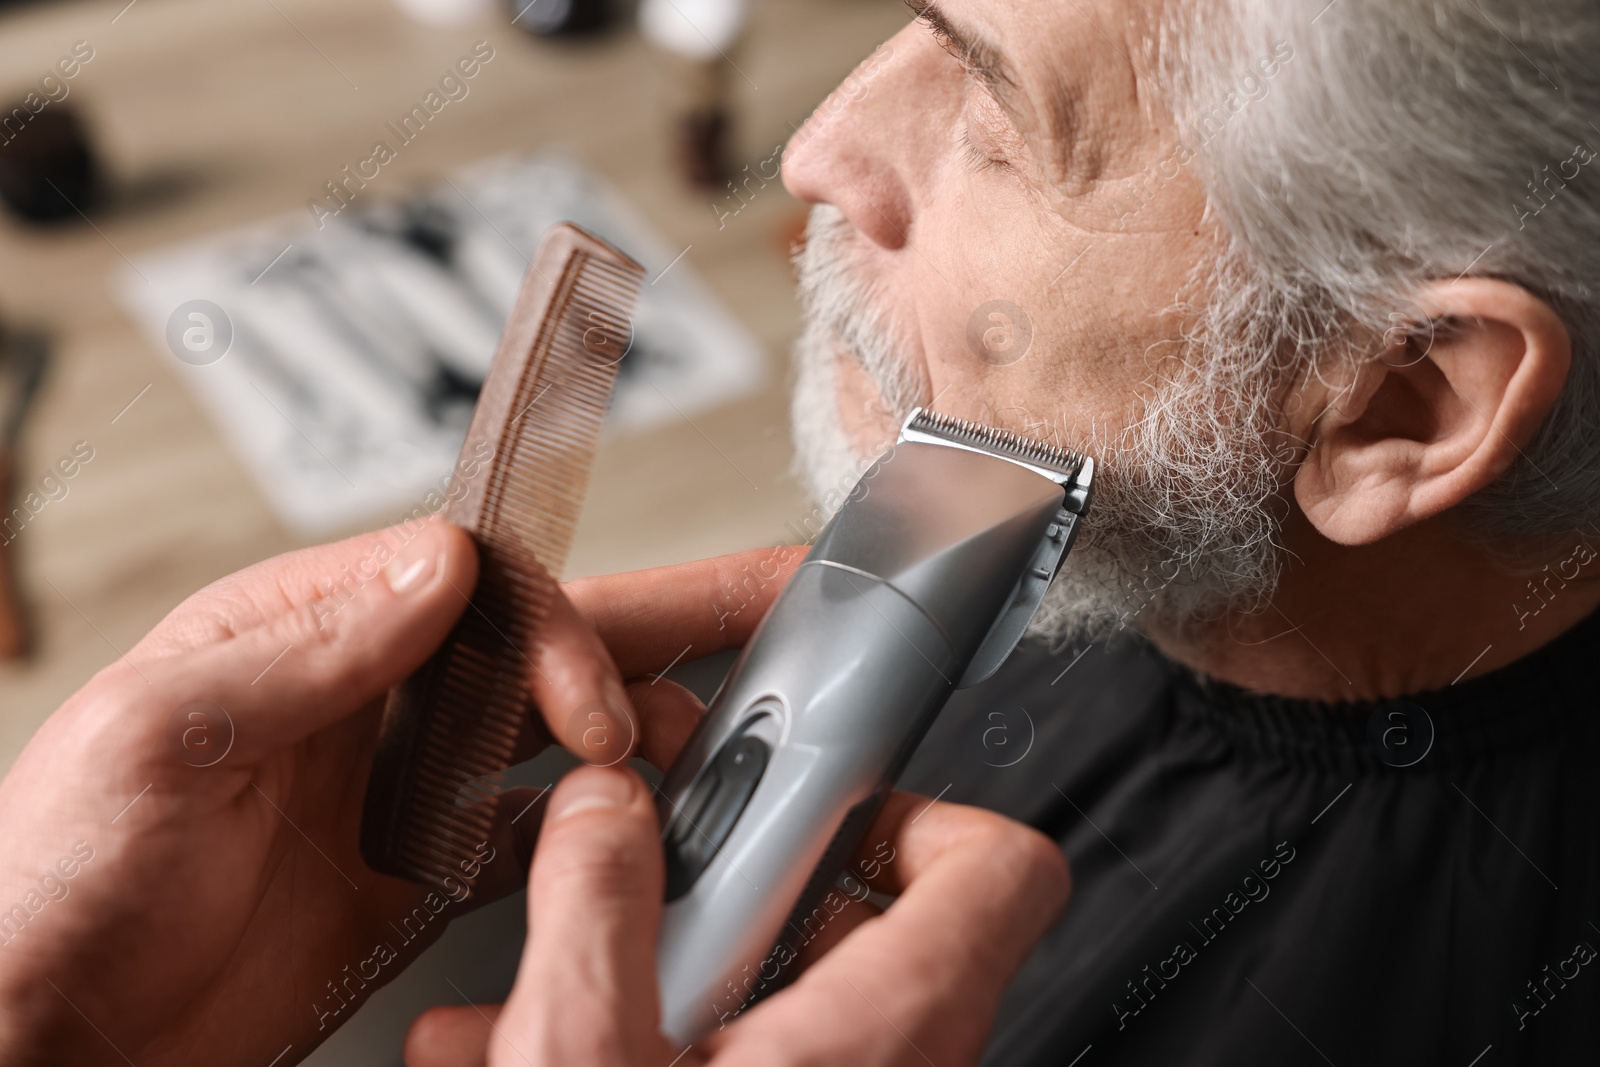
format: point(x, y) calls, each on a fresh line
point(450, 729)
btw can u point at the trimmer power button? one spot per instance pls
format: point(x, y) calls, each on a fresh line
point(707, 816)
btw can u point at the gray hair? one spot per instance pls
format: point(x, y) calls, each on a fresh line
point(1402, 141)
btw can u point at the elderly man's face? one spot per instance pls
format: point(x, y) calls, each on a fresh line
point(980, 245)
point(982, 174)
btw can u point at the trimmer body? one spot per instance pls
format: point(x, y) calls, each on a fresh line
point(922, 582)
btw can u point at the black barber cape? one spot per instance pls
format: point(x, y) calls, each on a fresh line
point(1269, 881)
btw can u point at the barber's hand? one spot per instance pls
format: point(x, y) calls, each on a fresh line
point(180, 880)
point(917, 984)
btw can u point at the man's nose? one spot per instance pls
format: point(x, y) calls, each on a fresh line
point(867, 145)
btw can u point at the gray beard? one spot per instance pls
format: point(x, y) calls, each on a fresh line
point(1184, 526)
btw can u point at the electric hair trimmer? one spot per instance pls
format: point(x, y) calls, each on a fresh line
point(922, 583)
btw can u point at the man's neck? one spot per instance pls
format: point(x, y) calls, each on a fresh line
point(1417, 611)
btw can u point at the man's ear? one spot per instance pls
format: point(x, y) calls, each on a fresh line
point(1435, 419)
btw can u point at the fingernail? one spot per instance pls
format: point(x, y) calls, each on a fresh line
point(412, 568)
point(588, 790)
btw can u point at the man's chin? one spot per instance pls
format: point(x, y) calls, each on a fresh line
point(1098, 594)
point(1091, 600)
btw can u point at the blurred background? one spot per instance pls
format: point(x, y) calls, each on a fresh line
point(231, 324)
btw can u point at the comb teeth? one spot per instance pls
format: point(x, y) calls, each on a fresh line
point(993, 439)
point(451, 729)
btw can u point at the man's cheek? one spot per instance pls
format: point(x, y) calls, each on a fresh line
point(867, 423)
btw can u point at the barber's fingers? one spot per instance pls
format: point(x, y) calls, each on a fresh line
point(668, 714)
point(248, 598)
point(452, 1036)
point(585, 994)
point(645, 619)
point(976, 892)
point(629, 625)
point(583, 702)
point(650, 619)
point(577, 689)
point(503, 860)
point(316, 663)
point(851, 913)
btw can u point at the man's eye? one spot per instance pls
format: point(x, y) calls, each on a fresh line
point(976, 158)
point(987, 137)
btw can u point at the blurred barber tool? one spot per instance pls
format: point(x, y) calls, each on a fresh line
point(23, 355)
point(695, 39)
point(562, 18)
point(48, 169)
point(922, 583)
point(454, 724)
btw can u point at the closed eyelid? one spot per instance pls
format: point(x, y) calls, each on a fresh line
point(990, 72)
point(994, 127)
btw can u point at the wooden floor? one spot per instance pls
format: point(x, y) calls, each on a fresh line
point(214, 113)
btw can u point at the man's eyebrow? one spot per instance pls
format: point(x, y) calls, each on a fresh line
point(979, 56)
